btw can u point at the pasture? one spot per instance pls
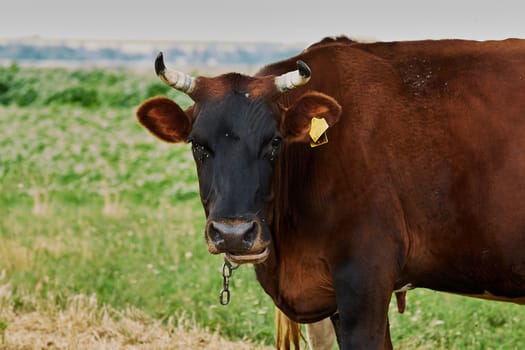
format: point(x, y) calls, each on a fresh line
point(101, 235)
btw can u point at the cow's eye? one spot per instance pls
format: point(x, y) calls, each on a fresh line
point(276, 142)
point(275, 146)
point(200, 152)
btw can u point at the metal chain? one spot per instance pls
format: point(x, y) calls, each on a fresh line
point(227, 271)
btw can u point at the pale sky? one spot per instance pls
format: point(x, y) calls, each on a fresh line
point(264, 20)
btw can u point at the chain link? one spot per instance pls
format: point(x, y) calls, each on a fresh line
point(227, 271)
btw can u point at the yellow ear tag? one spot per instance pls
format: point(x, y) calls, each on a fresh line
point(318, 129)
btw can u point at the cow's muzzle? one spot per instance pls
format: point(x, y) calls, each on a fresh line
point(241, 240)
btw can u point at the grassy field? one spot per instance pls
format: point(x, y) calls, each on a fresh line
point(101, 235)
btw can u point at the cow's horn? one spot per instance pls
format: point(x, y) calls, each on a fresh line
point(175, 79)
point(293, 79)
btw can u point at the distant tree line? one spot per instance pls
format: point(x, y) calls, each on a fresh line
point(200, 54)
point(18, 52)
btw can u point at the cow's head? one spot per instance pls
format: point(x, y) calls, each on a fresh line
point(236, 129)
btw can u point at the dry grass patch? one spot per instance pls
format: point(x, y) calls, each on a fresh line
point(82, 324)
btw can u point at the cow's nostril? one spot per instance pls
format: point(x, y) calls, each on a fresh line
point(249, 236)
point(215, 236)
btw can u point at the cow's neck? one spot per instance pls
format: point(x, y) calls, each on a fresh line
point(292, 266)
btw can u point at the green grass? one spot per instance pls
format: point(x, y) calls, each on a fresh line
point(152, 258)
point(436, 320)
point(90, 203)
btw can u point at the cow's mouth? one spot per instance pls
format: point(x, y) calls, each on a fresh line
point(256, 258)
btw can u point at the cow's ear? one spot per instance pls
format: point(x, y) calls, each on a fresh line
point(296, 122)
point(165, 119)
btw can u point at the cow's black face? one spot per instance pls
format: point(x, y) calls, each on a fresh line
point(236, 128)
point(235, 143)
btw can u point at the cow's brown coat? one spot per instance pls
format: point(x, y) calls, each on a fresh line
point(422, 181)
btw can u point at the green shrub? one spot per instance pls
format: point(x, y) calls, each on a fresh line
point(8, 83)
point(155, 89)
point(25, 96)
point(76, 95)
point(88, 88)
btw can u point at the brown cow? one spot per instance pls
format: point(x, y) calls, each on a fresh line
point(421, 183)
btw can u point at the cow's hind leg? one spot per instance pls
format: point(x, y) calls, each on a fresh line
point(320, 335)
